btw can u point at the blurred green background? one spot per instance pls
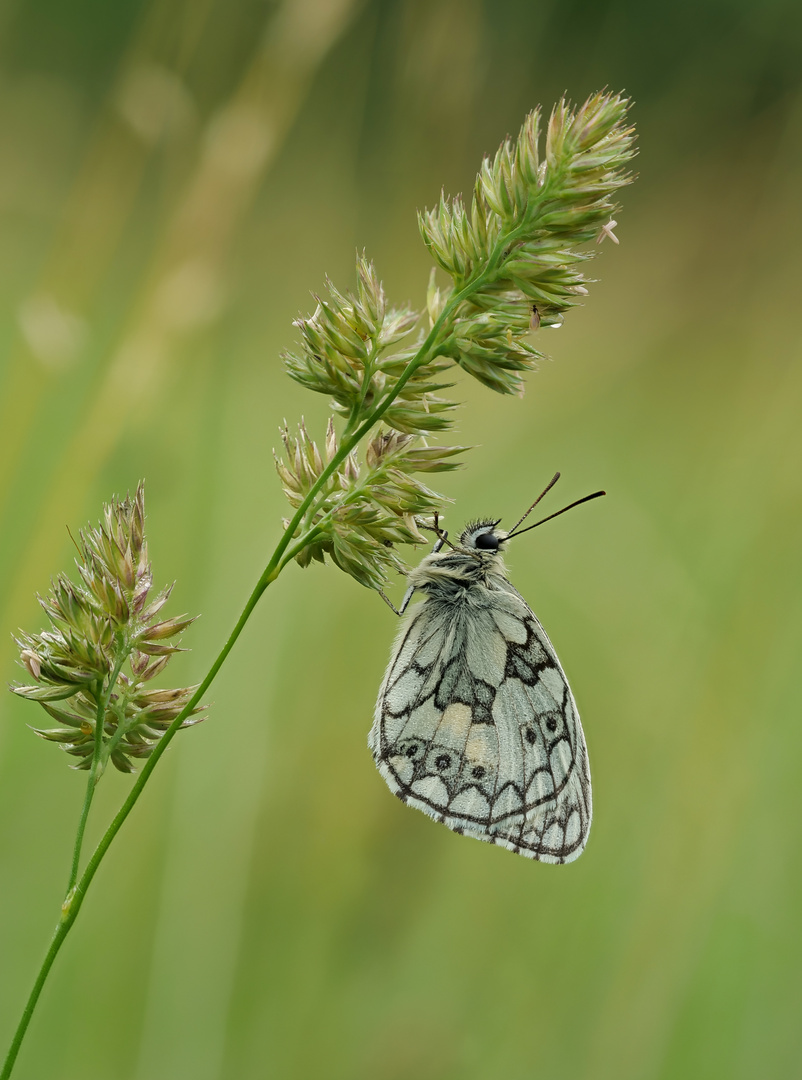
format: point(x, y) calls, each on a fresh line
point(177, 177)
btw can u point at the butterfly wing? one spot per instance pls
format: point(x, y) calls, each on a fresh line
point(476, 725)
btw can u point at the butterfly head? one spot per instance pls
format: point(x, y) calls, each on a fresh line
point(483, 537)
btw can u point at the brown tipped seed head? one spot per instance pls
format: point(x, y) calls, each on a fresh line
point(99, 626)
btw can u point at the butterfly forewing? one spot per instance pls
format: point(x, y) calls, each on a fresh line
point(476, 725)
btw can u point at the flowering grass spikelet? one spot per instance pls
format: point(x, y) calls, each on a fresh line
point(100, 626)
point(516, 262)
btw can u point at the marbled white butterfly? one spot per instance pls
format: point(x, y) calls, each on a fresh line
point(475, 723)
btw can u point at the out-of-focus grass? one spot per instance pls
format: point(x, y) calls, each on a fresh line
point(175, 182)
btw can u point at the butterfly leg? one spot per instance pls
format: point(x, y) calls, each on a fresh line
point(441, 539)
point(389, 602)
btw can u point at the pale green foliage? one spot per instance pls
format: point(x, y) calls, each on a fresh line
point(518, 241)
point(98, 625)
point(363, 510)
point(346, 353)
point(515, 265)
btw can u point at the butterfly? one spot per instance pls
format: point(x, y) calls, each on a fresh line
point(475, 722)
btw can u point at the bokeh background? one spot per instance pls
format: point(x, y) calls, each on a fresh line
point(176, 178)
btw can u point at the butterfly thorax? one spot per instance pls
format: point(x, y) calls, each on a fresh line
point(452, 573)
point(475, 560)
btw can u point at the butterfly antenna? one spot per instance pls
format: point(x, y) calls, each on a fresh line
point(545, 491)
point(587, 498)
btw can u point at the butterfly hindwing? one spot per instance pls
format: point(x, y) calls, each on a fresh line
point(433, 737)
point(476, 726)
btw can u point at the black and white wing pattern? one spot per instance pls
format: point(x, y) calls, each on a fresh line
point(476, 725)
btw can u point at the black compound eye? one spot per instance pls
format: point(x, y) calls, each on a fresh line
point(487, 541)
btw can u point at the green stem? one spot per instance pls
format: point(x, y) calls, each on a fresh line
point(91, 783)
point(77, 892)
point(75, 896)
point(359, 404)
point(78, 889)
point(61, 932)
